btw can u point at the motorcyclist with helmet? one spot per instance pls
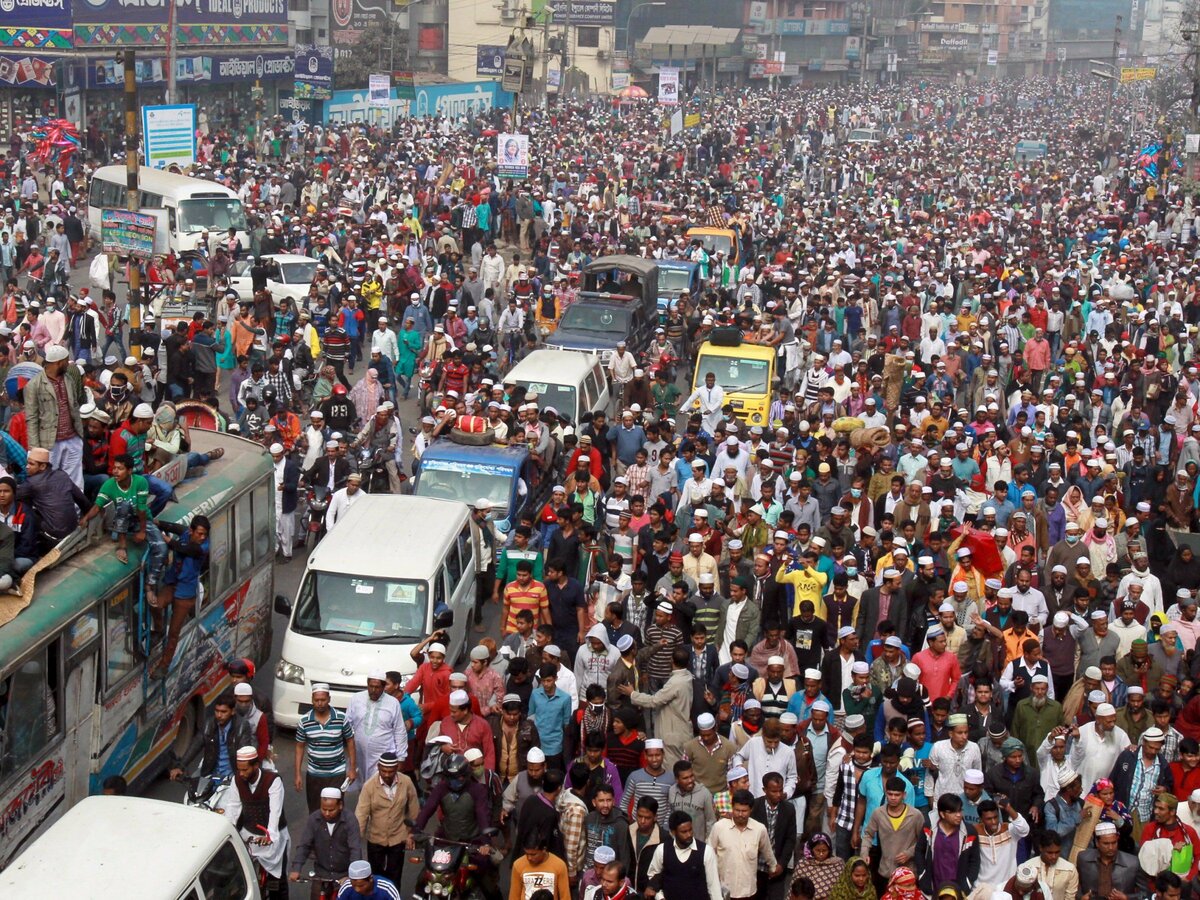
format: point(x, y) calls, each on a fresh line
point(465, 811)
point(339, 411)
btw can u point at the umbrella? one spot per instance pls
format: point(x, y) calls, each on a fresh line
point(19, 376)
point(632, 92)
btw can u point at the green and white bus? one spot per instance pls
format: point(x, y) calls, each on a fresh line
point(76, 701)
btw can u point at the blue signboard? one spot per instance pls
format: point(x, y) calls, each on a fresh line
point(37, 14)
point(314, 72)
point(489, 59)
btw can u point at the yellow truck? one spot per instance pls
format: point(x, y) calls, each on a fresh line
point(713, 239)
point(746, 372)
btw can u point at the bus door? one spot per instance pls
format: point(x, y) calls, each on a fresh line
point(81, 659)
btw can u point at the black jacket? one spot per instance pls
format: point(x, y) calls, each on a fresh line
point(968, 860)
point(831, 672)
point(1122, 775)
point(318, 475)
point(784, 842)
point(331, 853)
point(238, 736)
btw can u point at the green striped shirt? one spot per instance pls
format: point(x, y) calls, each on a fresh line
point(326, 743)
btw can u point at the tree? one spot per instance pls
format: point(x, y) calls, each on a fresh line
point(371, 54)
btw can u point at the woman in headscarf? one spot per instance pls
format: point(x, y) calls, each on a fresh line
point(367, 395)
point(819, 865)
point(1111, 809)
point(855, 882)
point(1183, 572)
point(1074, 504)
point(902, 886)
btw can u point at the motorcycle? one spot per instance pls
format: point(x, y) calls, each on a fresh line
point(447, 870)
point(665, 361)
point(372, 466)
point(206, 792)
point(317, 504)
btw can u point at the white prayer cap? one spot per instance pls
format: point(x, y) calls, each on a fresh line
point(331, 793)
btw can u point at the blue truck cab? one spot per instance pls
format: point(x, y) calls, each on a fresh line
point(450, 470)
point(674, 277)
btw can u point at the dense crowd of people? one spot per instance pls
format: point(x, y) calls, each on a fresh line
point(928, 633)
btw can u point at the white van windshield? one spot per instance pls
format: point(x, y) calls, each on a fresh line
point(360, 609)
point(560, 396)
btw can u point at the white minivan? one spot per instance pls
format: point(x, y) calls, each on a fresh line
point(134, 847)
point(394, 570)
point(571, 381)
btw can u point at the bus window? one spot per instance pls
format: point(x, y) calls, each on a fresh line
point(220, 563)
point(29, 705)
point(223, 878)
point(171, 219)
point(264, 531)
point(243, 521)
point(120, 637)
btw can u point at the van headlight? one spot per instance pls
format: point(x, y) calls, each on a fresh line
point(289, 672)
point(756, 418)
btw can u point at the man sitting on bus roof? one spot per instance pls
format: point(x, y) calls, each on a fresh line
point(55, 498)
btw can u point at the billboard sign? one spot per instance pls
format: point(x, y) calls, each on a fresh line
point(352, 19)
point(140, 23)
point(128, 233)
point(36, 24)
point(314, 72)
point(489, 60)
point(169, 135)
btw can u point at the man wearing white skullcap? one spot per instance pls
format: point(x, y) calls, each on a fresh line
point(328, 737)
point(52, 424)
point(467, 730)
point(287, 480)
point(1095, 751)
point(378, 724)
point(255, 807)
point(330, 838)
point(369, 886)
point(710, 754)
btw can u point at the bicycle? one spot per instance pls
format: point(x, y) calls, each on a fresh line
point(328, 886)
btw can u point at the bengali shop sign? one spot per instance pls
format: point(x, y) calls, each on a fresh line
point(127, 233)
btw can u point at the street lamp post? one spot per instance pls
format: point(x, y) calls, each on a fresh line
point(633, 12)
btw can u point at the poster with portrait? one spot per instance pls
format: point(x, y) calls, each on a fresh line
point(668, 86)
point(379, 90)
point(512, 155)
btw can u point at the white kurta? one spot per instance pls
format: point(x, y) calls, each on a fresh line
point(378, 727)
point(269, 856)
point(1093, 756)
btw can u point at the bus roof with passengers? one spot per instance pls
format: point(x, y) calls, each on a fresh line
point(76, 701)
